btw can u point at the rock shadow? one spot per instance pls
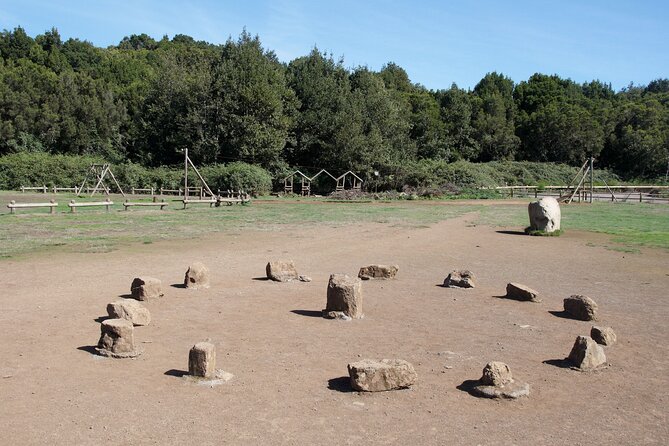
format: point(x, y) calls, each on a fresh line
point(101, 319)
point(89, 349)
point(560, 363)
point(341, 384)
point(468, 386)
point(562, 314)
point(126, 296)
point(178, 285)
point(177, 373)
point(512, 232)
point(261, 279)
point(308, 313)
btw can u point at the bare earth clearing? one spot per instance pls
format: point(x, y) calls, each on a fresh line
point(288, 362)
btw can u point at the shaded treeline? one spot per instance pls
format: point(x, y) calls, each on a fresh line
point(145, 100)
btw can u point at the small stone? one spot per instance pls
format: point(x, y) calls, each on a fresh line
point(603, 335)
point(586, 354)
point(197, 276)
point(117, 339)
point(496, 373)
point(518, 291)
point(581, 307)
point(146, 288)
point(130, 310)
point(545, 215)
point(304, 278)
point(202, 360)
point(376, 376)
point(344, 294)
point(461, 279)
point(281, 271)
point(378, 272)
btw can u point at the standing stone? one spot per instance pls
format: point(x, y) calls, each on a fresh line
point(581, 307)
point(544, 215)
point(460, 279)
point(603, 335)
point(345, 295)
point(282, 271)
point(117, 339)
point(197, 276)
point(202, 360)
point(130, 310)
point(146, 288)
point(586, 354)
point(497, 382)
point(378, 272)
point(518, 291)
point(376, 376)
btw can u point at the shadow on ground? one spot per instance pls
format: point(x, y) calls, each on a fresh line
point(341, 384)
point(177, 373)
point(308, 313)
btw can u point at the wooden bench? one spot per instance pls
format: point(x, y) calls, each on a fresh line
point(162, 204)
point(13, 205)
point(211, 201)
point(73, 205)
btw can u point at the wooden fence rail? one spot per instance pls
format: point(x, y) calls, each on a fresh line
point(74, 205)
point(13, 206)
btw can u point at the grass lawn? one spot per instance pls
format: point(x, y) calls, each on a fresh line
point(94, 230)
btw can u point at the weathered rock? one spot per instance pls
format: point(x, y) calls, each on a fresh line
point(197, 276)
point(497, 382)
point(460, 279)
point(544, 215)
point(376, 376)
point(586, 354)
point(303, 278)
point(146, 288)
point(281, 271)
point(378, 272)
point(496, 373)
point(130, 310)
point(581, 307)
point(345, 295)
point(518, 291)
point(117, 339)
point(336, 315)
point(603, 335)
point(202, 360)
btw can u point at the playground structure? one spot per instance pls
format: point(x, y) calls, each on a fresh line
point(100, 171)
point(305, 181)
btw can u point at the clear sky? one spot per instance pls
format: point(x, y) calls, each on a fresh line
point(436, 42)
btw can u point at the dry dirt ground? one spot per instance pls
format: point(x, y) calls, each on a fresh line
point(288, 362)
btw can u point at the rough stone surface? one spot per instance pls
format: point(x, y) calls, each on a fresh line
point(518, 291)
point(378, 272)
point(496, 373)
point(586, 354)
point(202, 360)
point(376, 376)
point(581, 307)
point(281, 271)
point(197, 276)
point(130, 310)
point(117, 339)
point(603, 335)
point(544, 215)
point(303, 278)
point(345, 295)
point(336, 315)
point(146, 288)
point(460, 279)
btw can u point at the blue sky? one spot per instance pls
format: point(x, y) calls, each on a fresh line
point(436, 42)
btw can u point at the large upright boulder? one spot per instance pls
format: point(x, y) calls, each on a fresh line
point(202, 360)
point(376, 376)
point(586, 354)
point(117, 339)
point(544, 215)
point(130, 310)
point(581, 307)
point(281, 271)
point(146, 288)
point(344, 295)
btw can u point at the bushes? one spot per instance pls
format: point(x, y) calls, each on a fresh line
point(36, 169)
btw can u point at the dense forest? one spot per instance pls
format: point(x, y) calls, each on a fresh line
point(144, 100)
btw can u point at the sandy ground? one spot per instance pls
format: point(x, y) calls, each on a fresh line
point(288, 363)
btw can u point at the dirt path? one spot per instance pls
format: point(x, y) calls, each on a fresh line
point(288, 363)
